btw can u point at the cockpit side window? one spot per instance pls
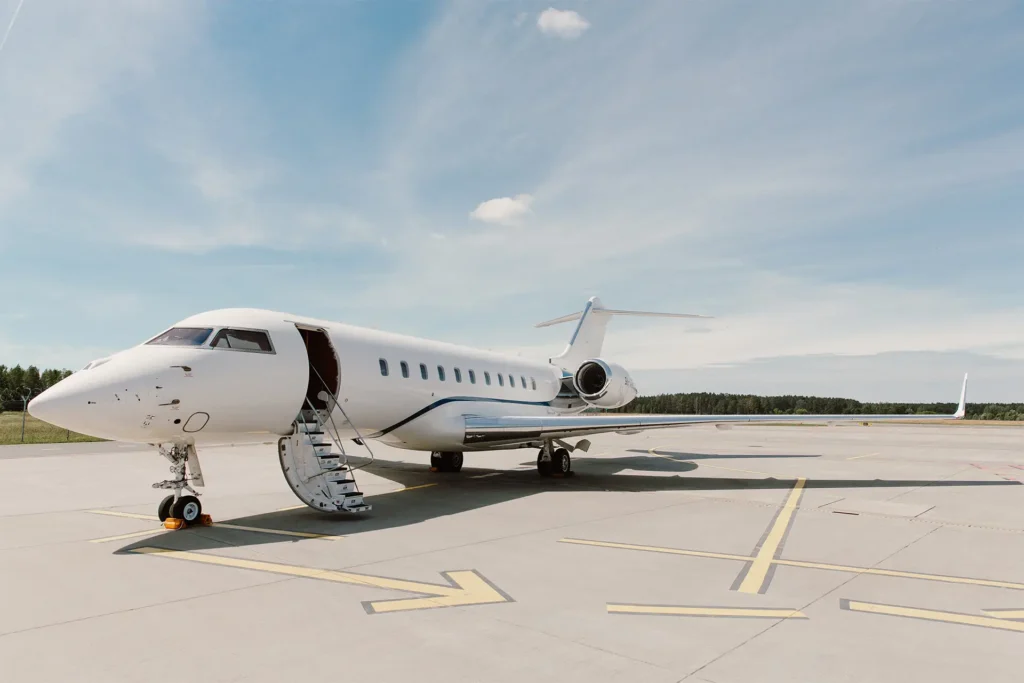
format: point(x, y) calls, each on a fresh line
point(243, 340)
point(182, 336)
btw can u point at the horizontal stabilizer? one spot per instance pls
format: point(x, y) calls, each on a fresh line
point(588, 337)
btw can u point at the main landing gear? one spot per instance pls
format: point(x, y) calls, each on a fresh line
point(445, 461)
point(177, 511)
point(554, 462)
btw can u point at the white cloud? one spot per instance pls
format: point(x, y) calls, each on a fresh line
point(503, 210)
point(562, 23)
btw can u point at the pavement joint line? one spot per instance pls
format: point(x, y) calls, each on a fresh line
point(755, 577)
point(826, 566)
point(694, 611)
point(931, 615)
point(222, 525)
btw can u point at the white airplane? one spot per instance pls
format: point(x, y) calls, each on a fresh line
point(244, 376)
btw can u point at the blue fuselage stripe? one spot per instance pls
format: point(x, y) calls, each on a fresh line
point(454, 399)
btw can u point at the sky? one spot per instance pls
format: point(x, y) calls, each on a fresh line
point(840, 184)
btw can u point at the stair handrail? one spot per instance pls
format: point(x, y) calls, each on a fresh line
point(337, 434)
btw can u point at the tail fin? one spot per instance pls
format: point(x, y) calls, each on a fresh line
point(587, 339)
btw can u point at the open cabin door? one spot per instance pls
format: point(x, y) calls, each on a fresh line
point(324, 372)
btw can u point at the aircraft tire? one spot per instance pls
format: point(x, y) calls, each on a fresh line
point(543, 466)
point(187, 508)
point(451, 461)
point(163, 511)
point(561, 463)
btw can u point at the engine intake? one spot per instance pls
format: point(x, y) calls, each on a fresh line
point(603, 384)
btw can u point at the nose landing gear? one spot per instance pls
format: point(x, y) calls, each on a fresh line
point(177, 511)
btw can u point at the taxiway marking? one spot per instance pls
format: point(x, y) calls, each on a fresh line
point(754, 578)
point(222, 525)
point(931, 615)
point(489, 474)
point(848, 569)
point(375, 495)
point(867, 455)
point(467, 587)
point(681, 611)
point(1005, 613)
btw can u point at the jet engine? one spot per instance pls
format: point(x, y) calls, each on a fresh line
point(603, 384)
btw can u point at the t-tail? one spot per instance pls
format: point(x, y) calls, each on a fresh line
point(588, 337)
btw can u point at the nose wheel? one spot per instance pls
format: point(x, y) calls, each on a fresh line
point(177, 510)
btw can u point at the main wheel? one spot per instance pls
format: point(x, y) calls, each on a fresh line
point(451, 461)
point(435, 461)
point(561, 463)
point(543, 466)
point(187, 508)
point(163, 511)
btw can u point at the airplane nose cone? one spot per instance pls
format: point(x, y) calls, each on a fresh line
point(53, 406)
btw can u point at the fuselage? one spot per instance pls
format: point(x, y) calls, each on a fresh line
point(236, 376)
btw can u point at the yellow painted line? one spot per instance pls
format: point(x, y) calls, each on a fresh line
point(932, 615)
point(1005, 613)
point(673, 610)
point(468, 587)
point(655, 549)
point(410, 488)
point(237, 527)
point(848, 569)
point(291, 507)
point(129, 515)
point(858, 457)
point(754, 581)
point(121, 537)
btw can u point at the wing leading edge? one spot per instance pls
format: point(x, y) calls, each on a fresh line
point(494, 431)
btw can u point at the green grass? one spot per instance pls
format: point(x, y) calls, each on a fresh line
point(36, 431)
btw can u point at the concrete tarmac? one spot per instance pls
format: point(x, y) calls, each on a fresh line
point(796, 554)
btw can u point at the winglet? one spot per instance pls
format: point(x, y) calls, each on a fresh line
point(961, 409)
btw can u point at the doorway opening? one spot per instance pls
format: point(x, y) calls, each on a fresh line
point(323, 366)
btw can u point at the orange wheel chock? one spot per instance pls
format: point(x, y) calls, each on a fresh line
point(206, 520)
point(174, 524)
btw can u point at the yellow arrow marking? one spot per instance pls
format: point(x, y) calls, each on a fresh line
point(467, 587)
point(675, 610)
point(876, 571)
point(1005, 613)
point(931, 615)
point(757, 573)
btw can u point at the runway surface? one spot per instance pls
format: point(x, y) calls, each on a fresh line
point(842, 553)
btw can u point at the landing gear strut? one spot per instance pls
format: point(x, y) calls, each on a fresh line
point(446, 461)
point(185, 509)
point(554, 462)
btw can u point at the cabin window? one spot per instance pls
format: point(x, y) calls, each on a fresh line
point(423, 370)
point(405, 369)
point(472, 377)
point(533, 383)
point(242, 340)
point(487, 378)
point(522, 380)
point(458, 375)
point(440, 372)
point(501, 380)
point(383, 367)
point(182, 336)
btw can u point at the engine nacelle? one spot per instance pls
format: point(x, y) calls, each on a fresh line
point(603, 384)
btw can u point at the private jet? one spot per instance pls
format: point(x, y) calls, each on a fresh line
point(248, 376)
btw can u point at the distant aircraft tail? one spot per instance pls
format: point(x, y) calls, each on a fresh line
point(588, 338)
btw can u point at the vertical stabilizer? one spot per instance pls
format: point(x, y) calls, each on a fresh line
point(588, 337)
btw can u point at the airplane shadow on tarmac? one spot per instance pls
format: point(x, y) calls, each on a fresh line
point(452, 494)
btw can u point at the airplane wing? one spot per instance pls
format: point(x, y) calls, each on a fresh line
point(494, 431)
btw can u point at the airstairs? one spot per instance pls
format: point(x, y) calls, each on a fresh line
point(320, 477)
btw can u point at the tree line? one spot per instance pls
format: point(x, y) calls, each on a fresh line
point(746, 404)
point(18, 381)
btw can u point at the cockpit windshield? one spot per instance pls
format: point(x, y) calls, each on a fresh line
point(182, 336)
